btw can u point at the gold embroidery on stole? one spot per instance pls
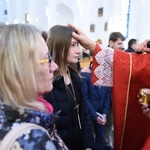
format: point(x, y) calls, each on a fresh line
point(127, 100)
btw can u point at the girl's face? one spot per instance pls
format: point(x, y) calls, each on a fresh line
point(46, 69)
point(74, 52)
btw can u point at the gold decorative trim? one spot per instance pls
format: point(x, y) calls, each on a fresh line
point(127, 100)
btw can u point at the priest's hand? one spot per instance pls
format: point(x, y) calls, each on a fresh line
point(145, 109)
point(83, 39)
point(144, 46)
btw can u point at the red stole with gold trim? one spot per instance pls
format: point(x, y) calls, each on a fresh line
point(131, 72)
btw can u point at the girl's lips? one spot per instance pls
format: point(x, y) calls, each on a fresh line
point(76, 57)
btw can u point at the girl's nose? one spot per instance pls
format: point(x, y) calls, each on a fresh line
point(78, 50)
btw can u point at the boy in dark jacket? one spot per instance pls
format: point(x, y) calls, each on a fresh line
point(97, 100)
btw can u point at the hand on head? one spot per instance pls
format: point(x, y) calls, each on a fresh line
point(85, 41)
point(143, 47)
point(146, 110)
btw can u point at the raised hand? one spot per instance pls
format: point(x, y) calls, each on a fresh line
point(84, 40)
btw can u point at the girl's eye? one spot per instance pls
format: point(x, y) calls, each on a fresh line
point(74, 44)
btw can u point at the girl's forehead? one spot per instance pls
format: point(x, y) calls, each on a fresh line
point(73, 39)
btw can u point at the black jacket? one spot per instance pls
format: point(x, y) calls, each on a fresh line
point(130, 50)
point(59, 100)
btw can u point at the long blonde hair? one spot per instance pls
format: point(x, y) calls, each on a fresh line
point(18, 67)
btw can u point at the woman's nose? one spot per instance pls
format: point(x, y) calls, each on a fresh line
point(53, 66)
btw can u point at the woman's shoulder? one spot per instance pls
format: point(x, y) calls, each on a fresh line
point(25, 135)
point(29, 140)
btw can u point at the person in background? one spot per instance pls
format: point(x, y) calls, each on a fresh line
point(97, 100)
point(132, 45)
point(26, 73)
point(44, 35)
point(74, 125)
point(116, 40)
point(126, 73)
point(99, 41)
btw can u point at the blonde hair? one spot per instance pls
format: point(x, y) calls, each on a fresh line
point(18, 67)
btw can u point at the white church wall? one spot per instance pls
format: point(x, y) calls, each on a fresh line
point(82, 13)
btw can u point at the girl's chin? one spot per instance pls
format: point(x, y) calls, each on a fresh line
point(74, 62)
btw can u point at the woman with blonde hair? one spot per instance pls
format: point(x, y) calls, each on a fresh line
point(26, 73)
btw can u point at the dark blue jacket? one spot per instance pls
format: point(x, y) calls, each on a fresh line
point(130, 50)
point(97, 98)
point(59, 100)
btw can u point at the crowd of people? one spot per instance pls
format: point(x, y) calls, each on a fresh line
point(41, 85)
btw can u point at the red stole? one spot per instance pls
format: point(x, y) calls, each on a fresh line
point(147, 145)
point(130, 73)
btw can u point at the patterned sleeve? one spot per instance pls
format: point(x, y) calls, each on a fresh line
point(102, 66)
